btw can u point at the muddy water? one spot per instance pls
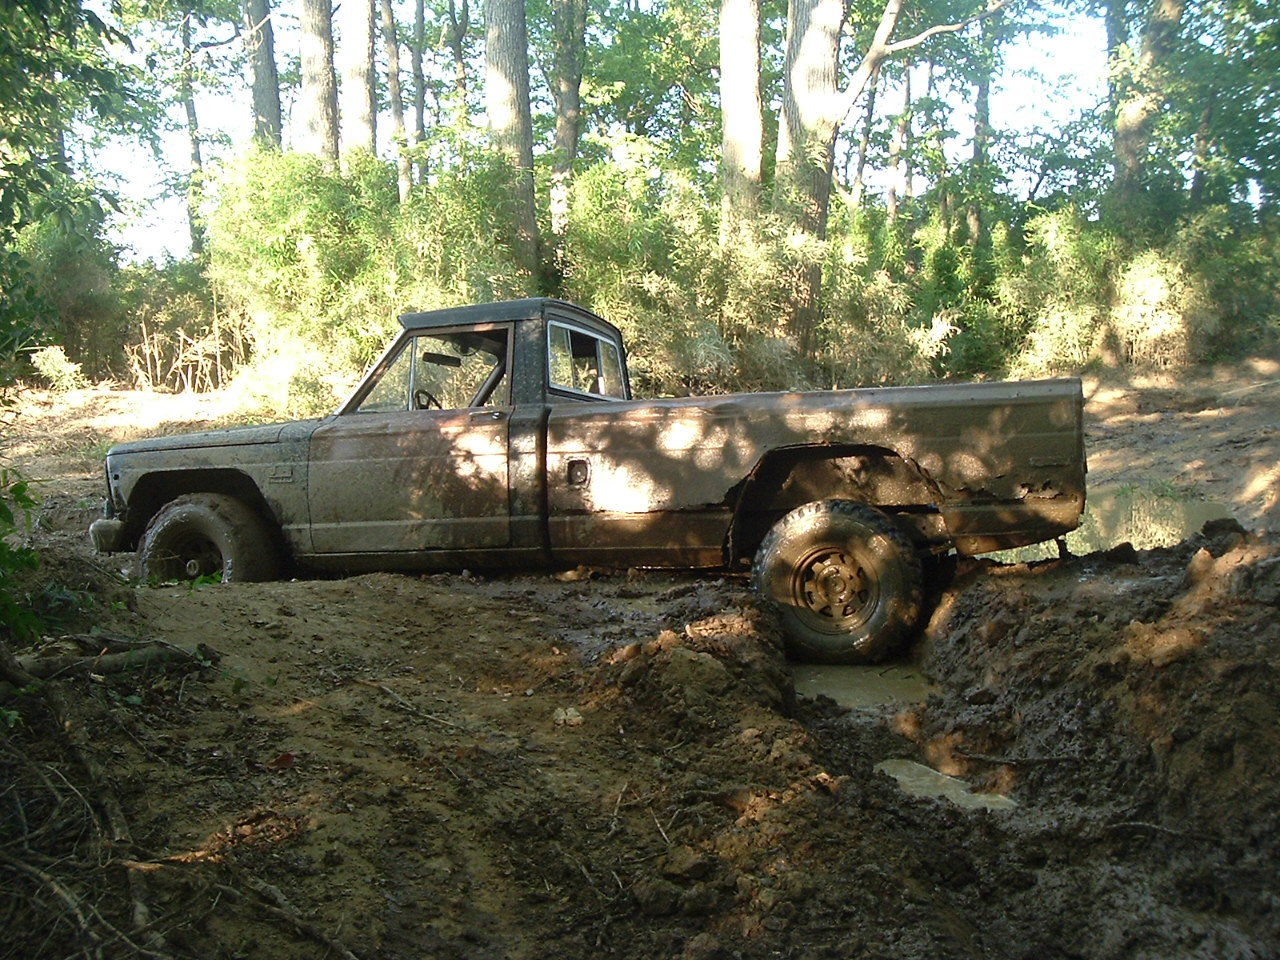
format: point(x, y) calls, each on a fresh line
point(861, 686)
point(1142, 517)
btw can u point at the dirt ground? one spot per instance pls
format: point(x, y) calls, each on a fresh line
point(452, 766)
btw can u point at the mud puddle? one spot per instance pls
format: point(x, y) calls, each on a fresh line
point(1146, 518)
point(856, 687)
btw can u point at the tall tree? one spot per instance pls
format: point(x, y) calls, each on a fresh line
point(395, 98)
point(813, 111)
point(1143, 91)
point(357, 95)
point(417, 52)
point(264, 79)
point(510, 123)
point(186, 93)
point(741, 109)
point(569, 30)
point(318, 98)
point(456, 28)
point(897, 187)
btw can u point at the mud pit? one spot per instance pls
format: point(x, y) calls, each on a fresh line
point(449, 766)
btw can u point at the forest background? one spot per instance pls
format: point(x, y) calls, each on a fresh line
point(762, 194)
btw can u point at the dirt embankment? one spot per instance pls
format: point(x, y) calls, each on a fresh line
point(394, 766)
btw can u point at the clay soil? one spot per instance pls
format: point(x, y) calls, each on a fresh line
point(392, 766)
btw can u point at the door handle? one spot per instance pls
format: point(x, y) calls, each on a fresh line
point(487, 415)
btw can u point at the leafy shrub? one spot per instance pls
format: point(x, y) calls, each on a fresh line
point(59, 372)
point(16, 502)
point(1161, 316)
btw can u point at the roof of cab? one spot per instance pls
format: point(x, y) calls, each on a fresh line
point(503, 311)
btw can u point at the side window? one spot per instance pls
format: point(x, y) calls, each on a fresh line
point(449, 370)
point(584, 363)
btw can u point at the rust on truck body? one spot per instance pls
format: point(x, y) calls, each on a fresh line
point(503, 435)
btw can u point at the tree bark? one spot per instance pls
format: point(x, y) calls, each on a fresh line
point(417, 50)
point(318, 100)
point(510, 124)
point(264, 79)
point(897, 146)
point(981, 174)
point(399, 140)
point(569, 21)
point(864, 141)
point(1144, 95)
point(456, 36)
point(186, 92)
point(357, 110)
point(741, 109)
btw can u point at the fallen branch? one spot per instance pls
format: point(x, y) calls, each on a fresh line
point(145, 654)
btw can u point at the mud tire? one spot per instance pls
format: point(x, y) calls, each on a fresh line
point(844, 579)
point(207, 534)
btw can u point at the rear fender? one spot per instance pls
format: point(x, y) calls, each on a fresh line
point(786, 478)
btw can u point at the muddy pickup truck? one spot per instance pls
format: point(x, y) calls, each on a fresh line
point(504, 436)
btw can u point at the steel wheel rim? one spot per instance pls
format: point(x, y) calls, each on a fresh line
point(834, 590)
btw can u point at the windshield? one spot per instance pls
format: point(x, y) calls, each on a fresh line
point(444, 371)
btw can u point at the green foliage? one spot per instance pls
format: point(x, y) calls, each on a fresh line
point(316, 263)
point(73, 268)
point(16, 503)
point(23, 312)
point(59, 372)
point(54, 67)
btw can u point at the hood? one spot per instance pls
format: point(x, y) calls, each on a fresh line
point(225, 437)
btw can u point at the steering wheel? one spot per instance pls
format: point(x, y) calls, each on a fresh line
point(422, 399)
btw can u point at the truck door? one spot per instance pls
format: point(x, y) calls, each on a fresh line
point(420, 461)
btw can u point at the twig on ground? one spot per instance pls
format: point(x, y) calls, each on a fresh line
point(279, 906)
point(404, 704)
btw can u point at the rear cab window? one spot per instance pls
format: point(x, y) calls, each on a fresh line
point(583, 364)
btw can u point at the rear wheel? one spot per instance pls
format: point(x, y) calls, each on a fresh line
point(845, 580)
point(207, 535)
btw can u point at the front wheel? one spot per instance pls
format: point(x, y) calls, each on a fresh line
point(845, 580)
point(207, 535)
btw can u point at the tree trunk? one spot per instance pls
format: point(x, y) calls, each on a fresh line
point(399, 142)
point(319, 94)
point(897, 145)
point(741, 111)
point(569, 20)
point(186, 92)
point(264, 80)
point(981, 174)
point(417, 50)
point(510, 124)
point(1204, 140)
point(864, 141)
point(357, 104)
point(456, 37)
point(806, 148)
point(1143, 97)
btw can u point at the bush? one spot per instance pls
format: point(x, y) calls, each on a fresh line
point(59, 372)
point(16, 502)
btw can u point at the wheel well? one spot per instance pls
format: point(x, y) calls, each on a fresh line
point(156, 489)
point(785, 479)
